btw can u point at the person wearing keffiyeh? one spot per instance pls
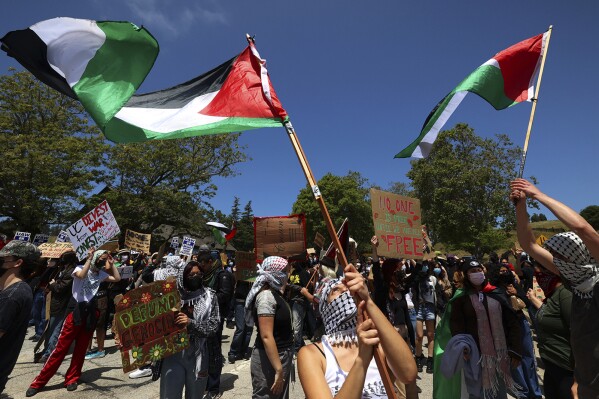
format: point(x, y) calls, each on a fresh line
point(349, 343)
point(572, 256)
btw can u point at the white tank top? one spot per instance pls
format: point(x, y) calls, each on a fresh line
point(335, 376)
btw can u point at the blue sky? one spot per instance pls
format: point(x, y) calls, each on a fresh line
point(359, 78)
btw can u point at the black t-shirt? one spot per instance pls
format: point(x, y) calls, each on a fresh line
point(15, 309)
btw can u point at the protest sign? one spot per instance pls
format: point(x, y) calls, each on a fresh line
point(187, 246)
point(138, 241)
point(94, 229)
point(541, 240)
point(319, 240)
point(397, 224)
point(245, 266)
point(126, 272)
point(55, 250)
point(145, 323)
point(175, 242)
point(110, 246)
point(62, 236)
point(279, 235)
point(40, 239)
point(22, 236)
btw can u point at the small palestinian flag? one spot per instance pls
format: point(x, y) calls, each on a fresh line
point(503, 81)
point(222, 233)
point(343, 235)
point(235, 96)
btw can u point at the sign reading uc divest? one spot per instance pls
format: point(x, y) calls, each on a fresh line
point(396, 224)
point(94, 229)
point(145, 323)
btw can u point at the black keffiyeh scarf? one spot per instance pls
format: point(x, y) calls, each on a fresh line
point(340, 316)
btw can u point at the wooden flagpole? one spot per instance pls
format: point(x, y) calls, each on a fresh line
point(534, 103)
point(378, 356)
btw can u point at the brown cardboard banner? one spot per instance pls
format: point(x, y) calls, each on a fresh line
point(245, 266)
point(54, 250)
point(279, 236)
point(397, 224)
point(138, 241)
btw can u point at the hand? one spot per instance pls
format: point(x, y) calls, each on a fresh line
point(511, 290)
point(466, 354)
point(530, 294)
point(526, 187)
point(374, 241)
point(279, 384)
point(90, 252)
point(181, 320)
point(574, 390)
point(356, 283)
point(516, 195)
point(514, 363)
point(368, 335)
point(109, 262)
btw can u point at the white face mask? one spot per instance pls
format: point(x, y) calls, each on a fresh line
point(476, 278)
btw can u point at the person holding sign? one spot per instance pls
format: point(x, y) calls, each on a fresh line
point(342, 364)
point(81, 319)
point(200, 313)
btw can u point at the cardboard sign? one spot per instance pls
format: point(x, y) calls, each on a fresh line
point(22, 236)
point(138, 241)
point(175, 242)
point(110, 246)
point(541, 240)
point(319, 240)
point(397, 224)
point(94, 229)
point(145, 323)
point(63, 236)
point(245, 266)
point(279, 236)
point(126, 272)
point(40, 239)
point(187, 246)
point(55, 250)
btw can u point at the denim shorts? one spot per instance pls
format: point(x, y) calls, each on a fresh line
point(426, 311)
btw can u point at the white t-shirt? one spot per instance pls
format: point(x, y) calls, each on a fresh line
point(85, 289)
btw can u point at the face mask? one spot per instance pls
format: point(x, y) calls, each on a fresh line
point(547, 282)
point(124, 259)
point(403, 267)
point(424, 269)
point(194, 283)
point(437, 271)
point(476, 278)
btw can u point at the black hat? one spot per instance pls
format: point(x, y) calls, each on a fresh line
point(469, 265)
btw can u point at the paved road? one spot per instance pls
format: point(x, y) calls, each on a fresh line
point(104, 378)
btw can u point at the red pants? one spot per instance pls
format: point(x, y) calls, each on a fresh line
point(69, 333)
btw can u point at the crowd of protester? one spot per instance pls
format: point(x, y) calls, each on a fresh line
point(472, 324)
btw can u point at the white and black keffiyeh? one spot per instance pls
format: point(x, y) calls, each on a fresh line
point(172, 266)
point(581, 270)
point(272, 272)
point(340, 316)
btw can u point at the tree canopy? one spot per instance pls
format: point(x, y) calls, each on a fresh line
point(591, 214)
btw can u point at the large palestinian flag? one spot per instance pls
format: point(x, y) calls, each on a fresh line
point(503, 81)
point(102, 64)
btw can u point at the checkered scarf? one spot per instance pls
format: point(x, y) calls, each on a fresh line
point(581, 270)
point(272, 272)
point(340, 316)
point(172, 265)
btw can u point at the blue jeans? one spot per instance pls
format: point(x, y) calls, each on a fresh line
point(526, 374)
point(38, 312)
point(241, 338)
point(53, 332)
point(178, 372)
point(298, 313)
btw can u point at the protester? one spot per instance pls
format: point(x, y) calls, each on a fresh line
point(553, 332)
point(199, 312)
point(298, 279)
point(349, 343)
point(18, 260)
point(572, 256)
point(80, 321)
point(424, 290)
point(484, 313)
point(272, 356)
point(243, 333)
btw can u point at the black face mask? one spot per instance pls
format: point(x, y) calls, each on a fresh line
point(193, 283)
point(506, 278)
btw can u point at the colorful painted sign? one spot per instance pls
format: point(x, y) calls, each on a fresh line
point(55, 250)
point(397, 224)
point(245, 266)
point(279, 236)
point(145, 323)
point(187, 246)
point(22, 236)
point(138, 241)
point(94, 229)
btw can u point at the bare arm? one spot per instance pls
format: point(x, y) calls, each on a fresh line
point(266, 325)
point(82, 273)
point(110, 268)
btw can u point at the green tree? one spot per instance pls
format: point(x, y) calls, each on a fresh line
point(235, 211)
point(534, 218)
point(542, 217)
point(401, 188)
point(244, 239)
point(51, 155)
point(463, 187)
point(591, 214)
point(345, 196)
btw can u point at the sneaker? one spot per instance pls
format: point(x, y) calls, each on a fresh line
point(72, 387)
point(31, 392)
point(429, 365)
point(95, 355)
point(231, 359)
point(230, 325)
point(420, 363)
point(140, 373)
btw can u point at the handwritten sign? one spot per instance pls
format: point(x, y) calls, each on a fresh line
point(63, 236)
point(22, 236)
point(187, 246)
point(40, 239)
point(138, 241)
point(397, 224)
point(245, 266)
point(55, 250)
point(145, 323)
point(126, 272)
point(280, 235)
point(175, 242)
point(94, 229)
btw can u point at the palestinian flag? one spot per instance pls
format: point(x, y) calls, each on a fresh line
point(503, 81)
point(234, 96)
point(222, 233)
point(343, 235)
